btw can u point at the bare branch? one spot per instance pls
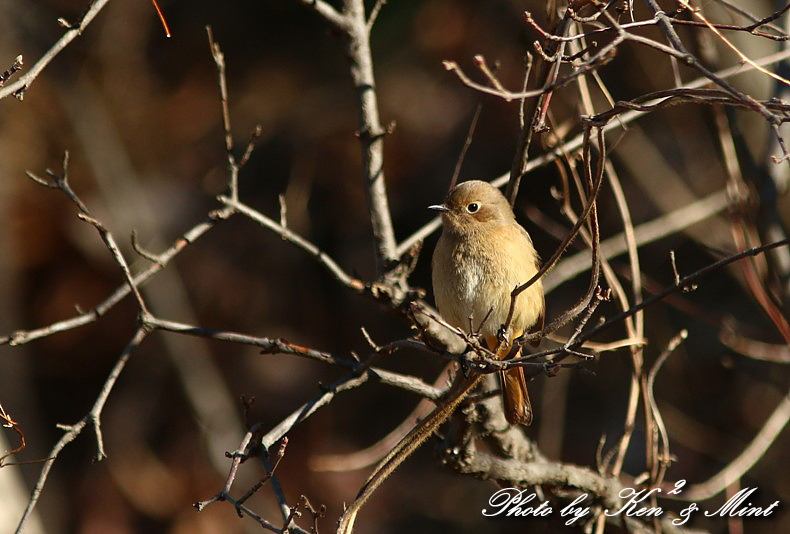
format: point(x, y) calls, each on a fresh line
point(648, 232)
point(298, 241)
point(659, 458)
point(15, 67)
point(20, 337)
point(93, 417)
point(752, 348)
point(73, 31)
point(353, 23)
point(572, 145)
point(744, 461)
point(685, 282)
point(328, 12)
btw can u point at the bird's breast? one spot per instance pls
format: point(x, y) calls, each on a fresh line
point(473, 277)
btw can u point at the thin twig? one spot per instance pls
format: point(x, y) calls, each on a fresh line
point(295, 239)
point(685, 282)
point(572, 145)
point(73, 31)
point(645, 233)
point(660, 458)
point(467, 142)
point(283, 346)
point(93, 418)
point(20, 337)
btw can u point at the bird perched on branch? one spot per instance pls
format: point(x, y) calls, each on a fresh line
point(482, 255)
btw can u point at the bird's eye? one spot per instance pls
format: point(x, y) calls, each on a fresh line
point(473, 207)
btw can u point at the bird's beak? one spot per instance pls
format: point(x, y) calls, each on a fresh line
point(439, 207)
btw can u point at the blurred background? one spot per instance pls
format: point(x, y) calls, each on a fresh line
point(140, 116)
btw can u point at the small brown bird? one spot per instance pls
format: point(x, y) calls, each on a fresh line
point(482, 255)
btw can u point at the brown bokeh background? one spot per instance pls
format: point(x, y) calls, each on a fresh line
point(140, 116)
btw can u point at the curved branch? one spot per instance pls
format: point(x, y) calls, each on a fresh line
point(744, 461)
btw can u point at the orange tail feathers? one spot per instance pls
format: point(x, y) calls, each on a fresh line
point(515, 397)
